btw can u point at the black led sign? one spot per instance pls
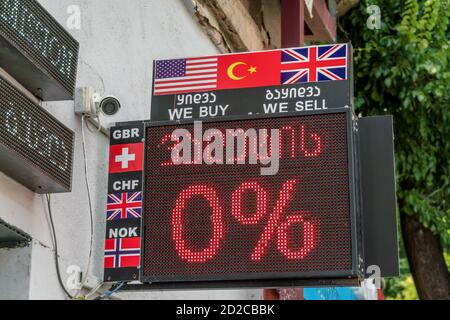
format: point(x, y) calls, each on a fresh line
point(187, 207)
point(36, 50)
point(215, 222)
point(35, 148)
point(197, 224)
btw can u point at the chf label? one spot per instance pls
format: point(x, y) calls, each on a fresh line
point(125, 185)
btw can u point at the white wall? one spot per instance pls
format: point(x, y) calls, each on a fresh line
point(119, 39)
point(15, 273)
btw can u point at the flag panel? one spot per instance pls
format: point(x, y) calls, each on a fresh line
point(126, 157)
point(126, 205)
point(122, 253)
point(251, 70)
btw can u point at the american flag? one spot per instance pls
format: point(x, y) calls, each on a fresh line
point(122, 253)
point(314, 64)
point(185, 75)
point(124, 206)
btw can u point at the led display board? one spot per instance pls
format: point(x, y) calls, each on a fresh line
point(171, 223)
point(35, 148)
point(185, 213)
point(227, 221)
point(36, 50)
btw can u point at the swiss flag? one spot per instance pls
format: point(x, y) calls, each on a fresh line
point(247, 70)
point(126, 157)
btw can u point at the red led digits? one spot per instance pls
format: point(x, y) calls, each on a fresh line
point(227, 221)
point(261, 203)
point(273, 228)
point(308, 238)
point(177, 224)
point(198, 152)
point(283, 200)
point(277, 226)
point(250, 145)
point(265, 143)
point(292, 131)
point(317, 150)
point(208, 149)
point(164, 140)
point(267, 139)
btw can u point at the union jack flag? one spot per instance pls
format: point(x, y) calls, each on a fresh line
point(314, 64)
point(122, 253)
point(124, 206)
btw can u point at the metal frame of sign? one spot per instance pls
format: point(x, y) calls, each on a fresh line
point(11, 237)
point(349, 277)
point(376, 141)
point(22, 157)
point(130, 272)
point(51, 76)
point(248, 101)
point(245, 99)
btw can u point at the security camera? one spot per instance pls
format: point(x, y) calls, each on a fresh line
point(90, 103)
point(109, 105)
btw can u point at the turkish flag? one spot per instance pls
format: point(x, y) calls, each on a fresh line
point(126, 157)
point(246, 70)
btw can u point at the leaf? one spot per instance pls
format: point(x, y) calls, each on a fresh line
point(404, 68)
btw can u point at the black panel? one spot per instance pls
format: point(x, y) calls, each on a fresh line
point(127, 133)
point(130, 227)
point(245, 284)
point(36, 50)
point(125, 182)
point(121, 274)
point(124, 206)
point(11, 237)
point(35, 148)
point(306, 98)
point(123, 237)
point(378, 191)
point(324, 192)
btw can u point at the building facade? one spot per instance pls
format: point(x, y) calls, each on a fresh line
point(118, 42)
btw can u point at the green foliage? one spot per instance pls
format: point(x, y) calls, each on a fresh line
point(447, 259)
point(408, 290)
point(395, 286)
point(403, 69)
point(402, 287)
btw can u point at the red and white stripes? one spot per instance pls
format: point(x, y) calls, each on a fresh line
point(201, 75)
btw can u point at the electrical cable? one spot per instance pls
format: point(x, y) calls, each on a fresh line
point(99, 126)
point(55, 245)
point(83, 281)
point(116, 287)
point(94, 290)
point(55, 242)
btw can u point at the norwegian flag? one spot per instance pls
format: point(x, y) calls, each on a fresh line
point(314, 64)
point(124, 206)
point(122, 253)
